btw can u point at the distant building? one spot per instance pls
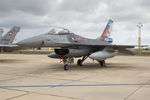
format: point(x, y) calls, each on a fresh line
point(47, 49)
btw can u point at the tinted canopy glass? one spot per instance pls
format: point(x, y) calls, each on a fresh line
point(59, 31)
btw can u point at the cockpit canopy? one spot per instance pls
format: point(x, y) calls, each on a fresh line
point(59, 31)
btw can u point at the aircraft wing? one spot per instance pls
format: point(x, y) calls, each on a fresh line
point(8, 45)
point(98, 45)
point(120, 48)
point(124, 48)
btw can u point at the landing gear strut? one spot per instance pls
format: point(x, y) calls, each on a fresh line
point(102, 63)
point(80, 61)
point(67, 63)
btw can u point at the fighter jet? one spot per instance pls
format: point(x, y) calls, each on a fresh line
point(1, 33)
point(6, 40)
point(143, 47)
point(68, 46)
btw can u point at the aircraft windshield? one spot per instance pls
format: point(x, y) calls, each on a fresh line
point(59, 31)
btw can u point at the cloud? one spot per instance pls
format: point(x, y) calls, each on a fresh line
point(84, 17)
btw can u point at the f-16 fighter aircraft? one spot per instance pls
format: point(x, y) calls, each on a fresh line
point(69, 46)
point(1, 33)
point(6, 40)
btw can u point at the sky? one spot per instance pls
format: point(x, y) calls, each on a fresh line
point(87, 18)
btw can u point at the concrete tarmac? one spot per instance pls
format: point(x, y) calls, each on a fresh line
point(37, 77)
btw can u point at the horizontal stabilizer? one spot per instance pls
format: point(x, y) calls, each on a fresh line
point(8, 45)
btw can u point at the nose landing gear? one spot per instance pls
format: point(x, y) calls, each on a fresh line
point(69, 60)
point(67, 63)
point(66, 67)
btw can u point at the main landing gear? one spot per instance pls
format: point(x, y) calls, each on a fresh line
point(102, 63)
point(80, 61)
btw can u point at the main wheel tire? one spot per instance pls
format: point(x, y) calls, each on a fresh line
point(103, 63)
point(79, 62)
point(66, 67)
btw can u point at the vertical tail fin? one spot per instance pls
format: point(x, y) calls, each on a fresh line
point(106, 34)
point(1, 33)
point(10, 36)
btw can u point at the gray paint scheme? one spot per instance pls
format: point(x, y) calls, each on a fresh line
point(68, 41)
point(1, 33)
point(10, 36)
point(6, 42)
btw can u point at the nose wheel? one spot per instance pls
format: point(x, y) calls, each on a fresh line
point(67, 63)
point(66, 67)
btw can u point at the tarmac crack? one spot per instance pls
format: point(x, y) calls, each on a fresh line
point(77, 80)
point(20, 76)
point(26, 93)
point(9, 79)
point(69, 83)
point(30, 92)
point(133, 92)
point(17, 96)
point(58, 96)
point(65, 84)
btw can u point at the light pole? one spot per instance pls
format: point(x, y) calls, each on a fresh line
point(139, 39)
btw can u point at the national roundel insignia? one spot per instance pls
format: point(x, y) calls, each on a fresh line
point(10, 33)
